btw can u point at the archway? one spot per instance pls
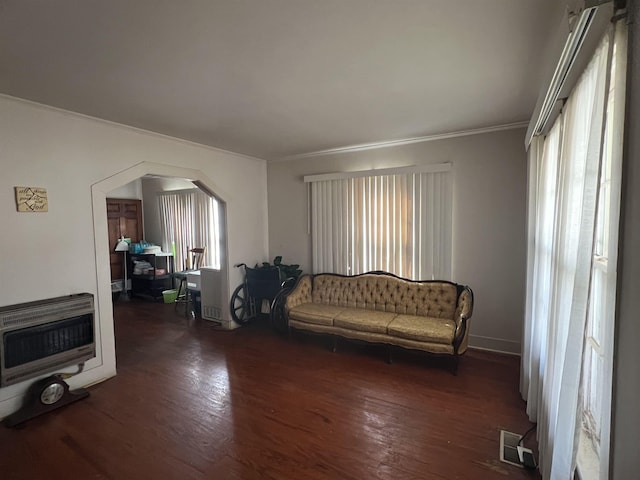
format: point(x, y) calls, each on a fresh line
point(99, 193)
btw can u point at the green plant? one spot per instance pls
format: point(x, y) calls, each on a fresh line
point(286, 270)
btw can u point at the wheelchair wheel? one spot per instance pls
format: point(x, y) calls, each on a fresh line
point(277, 315)
point(242, 308)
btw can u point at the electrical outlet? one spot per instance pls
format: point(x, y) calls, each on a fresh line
point(525, 455)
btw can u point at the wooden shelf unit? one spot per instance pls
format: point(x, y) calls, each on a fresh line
point(152, 285)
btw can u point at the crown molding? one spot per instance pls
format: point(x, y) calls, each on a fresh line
point(404, 141)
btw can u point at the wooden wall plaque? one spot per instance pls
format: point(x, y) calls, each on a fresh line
point(31, 199)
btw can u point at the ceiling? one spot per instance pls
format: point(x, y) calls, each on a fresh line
point(279, 78)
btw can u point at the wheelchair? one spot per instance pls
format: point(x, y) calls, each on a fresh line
point(259, 284)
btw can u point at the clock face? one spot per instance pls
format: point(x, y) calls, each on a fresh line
point(52, 393)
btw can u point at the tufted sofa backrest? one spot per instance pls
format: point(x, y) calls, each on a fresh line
point(386, 293)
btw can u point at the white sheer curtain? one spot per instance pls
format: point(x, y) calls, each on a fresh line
point(190, 219)
point(563, 189)
point(543, 168)
point(400, 223)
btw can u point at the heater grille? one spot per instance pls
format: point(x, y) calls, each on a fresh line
point(211, 313)
point(33, 343)
point(45, 310)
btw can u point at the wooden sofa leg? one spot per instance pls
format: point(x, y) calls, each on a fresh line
point(456, 360)
point(389, 355)
point(334, 344)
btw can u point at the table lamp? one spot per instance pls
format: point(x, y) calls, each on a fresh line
point(123, 246)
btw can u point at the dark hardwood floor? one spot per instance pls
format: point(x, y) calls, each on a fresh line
point(193, 402)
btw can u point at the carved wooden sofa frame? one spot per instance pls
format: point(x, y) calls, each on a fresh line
point(378, 307)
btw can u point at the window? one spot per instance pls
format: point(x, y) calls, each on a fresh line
point(573, 222)
point(190, 218)
point(596, 372)
point(396, 220)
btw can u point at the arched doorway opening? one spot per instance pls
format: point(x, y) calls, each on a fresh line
point(99, 192)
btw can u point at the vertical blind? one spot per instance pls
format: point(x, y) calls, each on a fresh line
point(190, 219)
point(399, 222)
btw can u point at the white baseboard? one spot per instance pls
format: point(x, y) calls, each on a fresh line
point(494, 344)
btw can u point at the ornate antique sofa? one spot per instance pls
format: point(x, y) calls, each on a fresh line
point(378, 307)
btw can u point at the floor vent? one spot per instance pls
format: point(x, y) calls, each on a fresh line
point(508, 448)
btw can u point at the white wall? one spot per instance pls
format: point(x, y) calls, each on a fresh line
point(489, 219)
point(129, 190)
point(53, 254)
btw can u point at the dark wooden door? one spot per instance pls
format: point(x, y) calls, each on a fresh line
point(124, 219)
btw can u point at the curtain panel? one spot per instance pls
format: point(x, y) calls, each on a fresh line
point(563, 189)
point(190, 219)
